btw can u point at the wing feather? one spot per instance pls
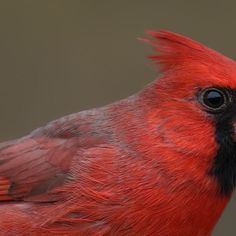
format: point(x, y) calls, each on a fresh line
point(32, 167)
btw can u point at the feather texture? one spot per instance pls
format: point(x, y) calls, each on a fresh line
point(139, 166)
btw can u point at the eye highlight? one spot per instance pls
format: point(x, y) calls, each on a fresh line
point(214, 99)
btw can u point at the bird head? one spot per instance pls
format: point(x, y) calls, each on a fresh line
point(195, 109)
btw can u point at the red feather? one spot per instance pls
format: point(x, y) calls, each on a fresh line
point(179, 53)
point(136, 167)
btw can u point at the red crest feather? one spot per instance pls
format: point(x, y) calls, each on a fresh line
point(175, 50)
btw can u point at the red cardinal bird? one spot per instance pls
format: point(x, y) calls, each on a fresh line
point(161, 162)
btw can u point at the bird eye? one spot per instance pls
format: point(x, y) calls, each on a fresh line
point(215, 100)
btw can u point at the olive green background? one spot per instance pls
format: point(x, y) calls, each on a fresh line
point(59, 57)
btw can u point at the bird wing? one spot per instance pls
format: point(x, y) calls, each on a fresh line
point(32, 166)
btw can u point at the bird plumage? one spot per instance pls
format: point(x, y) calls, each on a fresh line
point(139, 166)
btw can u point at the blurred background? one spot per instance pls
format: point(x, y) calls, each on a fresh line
point(58, 56)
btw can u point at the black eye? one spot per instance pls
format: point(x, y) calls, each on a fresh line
point(215, 100)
